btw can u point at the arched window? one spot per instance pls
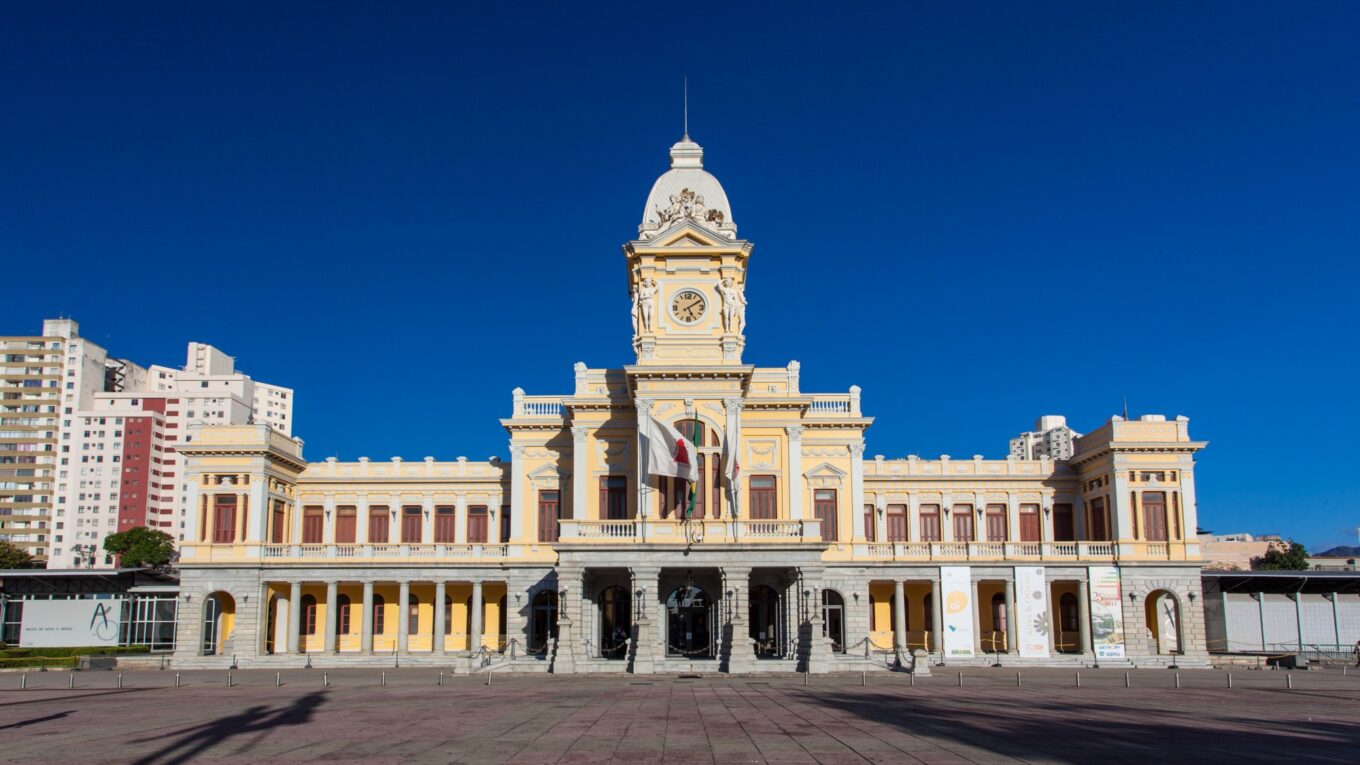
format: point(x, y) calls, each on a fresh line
point(1067, 612)
point(833, 619)
point(342, 615)
point(309, 614)
point(379, 610)
point(412, 614)
point(543, 623)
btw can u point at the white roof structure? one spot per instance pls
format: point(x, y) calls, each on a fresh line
point(687, 192)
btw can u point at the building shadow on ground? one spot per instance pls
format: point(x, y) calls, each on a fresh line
point(257, 721)
point(1091, 731)
point(35, 720)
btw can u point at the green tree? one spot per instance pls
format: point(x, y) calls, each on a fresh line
point(140, 546)
point(12, 556)
point(1282, 556)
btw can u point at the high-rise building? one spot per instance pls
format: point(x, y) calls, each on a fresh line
point(1051, 438)
point(124, 466)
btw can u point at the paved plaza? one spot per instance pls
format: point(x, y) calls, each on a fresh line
point(708, 719)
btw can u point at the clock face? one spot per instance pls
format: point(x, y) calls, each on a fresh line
point(688, 306)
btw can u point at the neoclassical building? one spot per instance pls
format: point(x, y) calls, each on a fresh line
point(805, 555)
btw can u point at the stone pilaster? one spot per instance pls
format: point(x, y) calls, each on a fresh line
point(737, 653)
point(646, 587)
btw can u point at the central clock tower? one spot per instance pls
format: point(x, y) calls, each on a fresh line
point(687, 269)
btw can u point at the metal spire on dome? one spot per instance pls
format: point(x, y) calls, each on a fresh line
point(686, 138)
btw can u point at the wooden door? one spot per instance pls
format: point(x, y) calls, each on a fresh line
point(377, 526)
point(1030, 528)
point(278, 530)
point(930, 523)
point(764, 498)
point(410, 525)
point(312, 523)
point(477, 525)
point(963, 523)
point(224, 519)
point(445, 523)
point(824, 510)
point(996, 523)
point(344, 525)
point(1154, 516)
point(897, 523)
point(548, 504)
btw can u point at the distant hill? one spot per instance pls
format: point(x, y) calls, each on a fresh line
point(1340, 551)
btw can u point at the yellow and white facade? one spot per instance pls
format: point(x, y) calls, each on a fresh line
point(569, 557)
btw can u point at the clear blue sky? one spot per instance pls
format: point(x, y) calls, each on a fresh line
point(985, 213)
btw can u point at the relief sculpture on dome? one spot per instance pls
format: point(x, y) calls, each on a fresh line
point(686, 204)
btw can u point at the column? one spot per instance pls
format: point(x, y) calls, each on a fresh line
point(1010, 615)
point(191, 505)
point(936, 618)
point(732, 441)
point(881, 520)
point(332, 595)
point(394, 519)
point(366, 631)
point(977, 613)
point(1336, 622)
point(403, 622)
point(361, 520)
point(241, 508)
point(478, 637)
point(795, 433)
point(741, 654)
point(294, 615)
point(427, 522)
point(579, 472)
point(440, 625)
point(257, 525)
point(645, 587)
point(1261, 615)
point(517, 496)
point(899, 613)
point(857, 491)
point(460, 520)
point(1083, 616)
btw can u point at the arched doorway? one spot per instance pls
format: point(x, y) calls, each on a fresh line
point(1163, 613)
point(833, 619)
point(1069, 626)
point(219, 616)
point(689, 623)
point(500, 624)
point(271, 621)
point(542, 621)
point(767, 622)
point(616, 622)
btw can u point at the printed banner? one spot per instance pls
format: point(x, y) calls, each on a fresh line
point(1031, 611)
point(956, 588)
point(70, 623)
point(1107, 612)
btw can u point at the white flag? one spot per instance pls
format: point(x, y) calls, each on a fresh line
point(667, 452)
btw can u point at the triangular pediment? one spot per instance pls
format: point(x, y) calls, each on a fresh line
point(547, 471)
point(825, 470)
point(687, 233)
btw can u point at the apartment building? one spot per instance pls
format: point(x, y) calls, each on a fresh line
point(1051, 439)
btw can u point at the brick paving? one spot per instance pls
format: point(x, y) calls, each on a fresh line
point(710, 719)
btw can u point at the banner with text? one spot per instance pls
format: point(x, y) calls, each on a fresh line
point(1031, 611)
point(1107, 612)
point(70, 623)
point(956, 587)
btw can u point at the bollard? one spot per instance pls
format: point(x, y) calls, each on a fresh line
point(805, 678)
point(325, 679)
point(384, 678)
point(488, 677)
point(23, 681)
point(1017, 679)
point(861, 680)
point(441, 679)
point(176, 679)
point(913, 679)
point(162, 662)
point(1078, 679)
point(1178, 679)
point(1343, 670)
point(278, 679)
point(71, 680)
point(1289, 681)
point(1126, 680)
point(228, 678)
point(1229, 679)
point(120, 679)
point(960, 679)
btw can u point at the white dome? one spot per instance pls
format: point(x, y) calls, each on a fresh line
point(687, 192)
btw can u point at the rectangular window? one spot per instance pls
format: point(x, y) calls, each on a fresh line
point(764, 498)
point(477, 520)
point(870, 526)
point(614, 497)
point(824, 510)
point(378, 525)
point(1063, 528)
point(312, 523)
point(963, 523)
point(224, 518)
point(549, 504)
point(1154, 516)
point(996, 523)
point(897, 523)
point(345, 517)
point(930, 523)
point(1030, 528)
point(445, 519)
point(505, 523)
point(410, 525)
point(278, 525)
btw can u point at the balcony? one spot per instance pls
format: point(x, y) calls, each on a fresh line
point(1018, 551)
point(706, 532)
point(317, 553)
point(537, 406)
